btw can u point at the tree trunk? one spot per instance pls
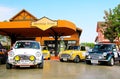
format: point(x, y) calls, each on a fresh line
point(56, 45)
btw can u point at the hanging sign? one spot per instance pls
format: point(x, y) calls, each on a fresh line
point(44, 23)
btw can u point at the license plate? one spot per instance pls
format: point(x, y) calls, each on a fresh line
point(64, 59)
point(24, 66)
point(94, 61)
point(24, 62)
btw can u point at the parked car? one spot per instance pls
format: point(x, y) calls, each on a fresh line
point(25, 53)
point(103, 53)
point(3, 54)
point(46, 52)
point(73, 53)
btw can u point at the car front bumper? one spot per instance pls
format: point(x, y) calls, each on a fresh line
point(97, 61)
point(24, 62)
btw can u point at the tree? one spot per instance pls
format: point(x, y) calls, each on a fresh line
point(112, 24)
point(117, 21)
point(91, 45)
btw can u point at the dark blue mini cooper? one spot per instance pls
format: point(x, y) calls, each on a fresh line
point(103, 53)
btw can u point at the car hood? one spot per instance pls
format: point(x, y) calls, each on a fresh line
point(26, 51)
point(45, 51)
point(67, 51)
point(100, 52)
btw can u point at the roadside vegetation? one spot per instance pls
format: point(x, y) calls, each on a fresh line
point(88, 44)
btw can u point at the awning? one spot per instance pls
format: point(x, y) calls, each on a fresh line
point(25, 28)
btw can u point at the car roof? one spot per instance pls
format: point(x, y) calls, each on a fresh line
point(105, 44)
point(26, 41)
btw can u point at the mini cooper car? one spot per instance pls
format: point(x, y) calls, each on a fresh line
point(103, 54)
point(73, 53)
point(46, 53)
point(25, 53)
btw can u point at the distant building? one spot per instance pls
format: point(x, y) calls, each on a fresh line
point(100, 37)
point(25, 26)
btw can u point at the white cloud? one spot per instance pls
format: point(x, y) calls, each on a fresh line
point(6, 13)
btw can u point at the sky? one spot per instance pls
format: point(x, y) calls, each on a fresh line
point(83, 13)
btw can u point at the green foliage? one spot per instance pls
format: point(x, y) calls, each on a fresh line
point(110, 33)
point(112, 24)
point(91, 45)
point(5, 21)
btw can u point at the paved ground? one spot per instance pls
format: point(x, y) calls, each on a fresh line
point(54, 69)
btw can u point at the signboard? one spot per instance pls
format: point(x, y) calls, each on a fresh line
point(44, 23)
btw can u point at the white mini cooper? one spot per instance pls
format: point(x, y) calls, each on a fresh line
point(25, 53)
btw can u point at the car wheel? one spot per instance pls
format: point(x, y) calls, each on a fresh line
point(88, 62)
point(48, 58)
point(102, 63)
point(111, 62)
point(61, 60)
point(8, 66)
point(40, 65)
point(0, 61)
point(77, 59)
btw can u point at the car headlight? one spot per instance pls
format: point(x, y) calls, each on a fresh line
point(104, 54)
point(38, 54)
point(17, 58)
point(11, 53)
point(32, 58)
point(100, 57)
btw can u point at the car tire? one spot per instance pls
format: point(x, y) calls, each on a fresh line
point(0, 61)
point(8, 66)
point(88, 62)
point(102, 63)
point(61, 60)
point(111, 62)
point(48, 58)
point(77, 59)
point(40, 65)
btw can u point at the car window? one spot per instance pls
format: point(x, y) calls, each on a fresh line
point(33, 45)
point(102, 47)
point(70, 47)
point(73, 48)
point(76, 48)
point(45, 48)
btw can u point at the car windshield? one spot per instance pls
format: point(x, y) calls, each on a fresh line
point(45, 48)
point(32, 45)
point(73, 47)
point(102, 47)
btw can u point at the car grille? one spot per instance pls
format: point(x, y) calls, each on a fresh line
point(65, 55)
point(24, 57)
point(95, 56)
